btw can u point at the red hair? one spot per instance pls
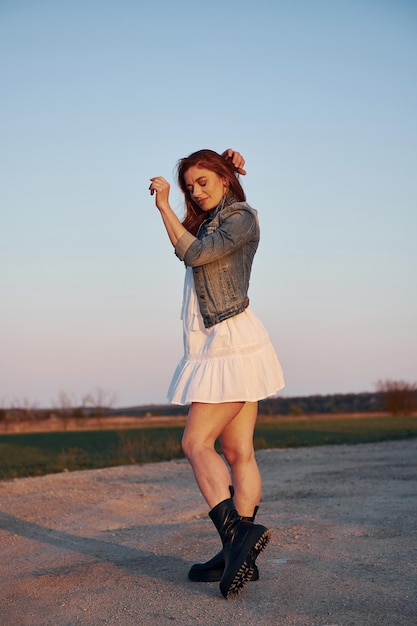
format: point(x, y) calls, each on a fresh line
point(210, 160)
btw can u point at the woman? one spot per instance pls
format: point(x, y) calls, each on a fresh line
point(229, 363)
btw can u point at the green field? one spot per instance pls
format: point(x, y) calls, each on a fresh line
point(33, 454)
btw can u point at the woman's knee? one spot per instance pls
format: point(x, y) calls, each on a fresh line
point(192, 446)
point(186, 445)
point(238, 452)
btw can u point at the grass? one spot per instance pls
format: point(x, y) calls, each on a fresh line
point(319, 431)
point(34, 454)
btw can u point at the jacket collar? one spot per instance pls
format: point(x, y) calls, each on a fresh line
point(227, 199)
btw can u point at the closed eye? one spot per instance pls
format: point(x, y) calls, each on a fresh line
point(201, 183)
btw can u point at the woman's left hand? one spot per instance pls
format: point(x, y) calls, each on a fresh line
point(237, 160)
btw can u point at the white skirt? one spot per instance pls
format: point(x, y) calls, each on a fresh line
point(231, 361)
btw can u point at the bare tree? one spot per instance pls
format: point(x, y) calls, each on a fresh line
point(99, 402)
point(65, 402)
point(19, 411)
point(400, 397)
point(64, 407)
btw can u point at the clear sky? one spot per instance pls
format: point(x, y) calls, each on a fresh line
point(97, 96)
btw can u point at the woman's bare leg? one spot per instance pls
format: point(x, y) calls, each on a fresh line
point(205, 423)
point(237, 445)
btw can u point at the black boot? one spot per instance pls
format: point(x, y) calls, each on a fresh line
point(242, 543)
point(212, 570)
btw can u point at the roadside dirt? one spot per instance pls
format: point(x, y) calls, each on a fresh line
point(114, 546)
point(54, 424)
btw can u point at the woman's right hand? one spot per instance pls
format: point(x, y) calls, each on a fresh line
point(161, 187)
point(174, 228)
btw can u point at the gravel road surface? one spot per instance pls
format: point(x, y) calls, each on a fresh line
point(114, 546)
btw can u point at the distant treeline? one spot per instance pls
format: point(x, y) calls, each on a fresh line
point(304, 405)
point(333, 403)
point(392, 397)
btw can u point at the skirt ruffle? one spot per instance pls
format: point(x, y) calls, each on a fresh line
point(243, 377)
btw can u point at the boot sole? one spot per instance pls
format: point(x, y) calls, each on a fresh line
point(258, 548)
point(211, 576)
point(245, 571)
point(214, 576)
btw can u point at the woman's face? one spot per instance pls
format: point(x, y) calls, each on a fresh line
point(205, 187)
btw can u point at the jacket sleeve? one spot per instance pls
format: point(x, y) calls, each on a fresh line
point(237, 228)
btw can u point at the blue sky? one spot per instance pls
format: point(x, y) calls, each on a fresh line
point(98, 96)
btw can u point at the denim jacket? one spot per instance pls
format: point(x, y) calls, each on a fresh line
point(221, 257)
